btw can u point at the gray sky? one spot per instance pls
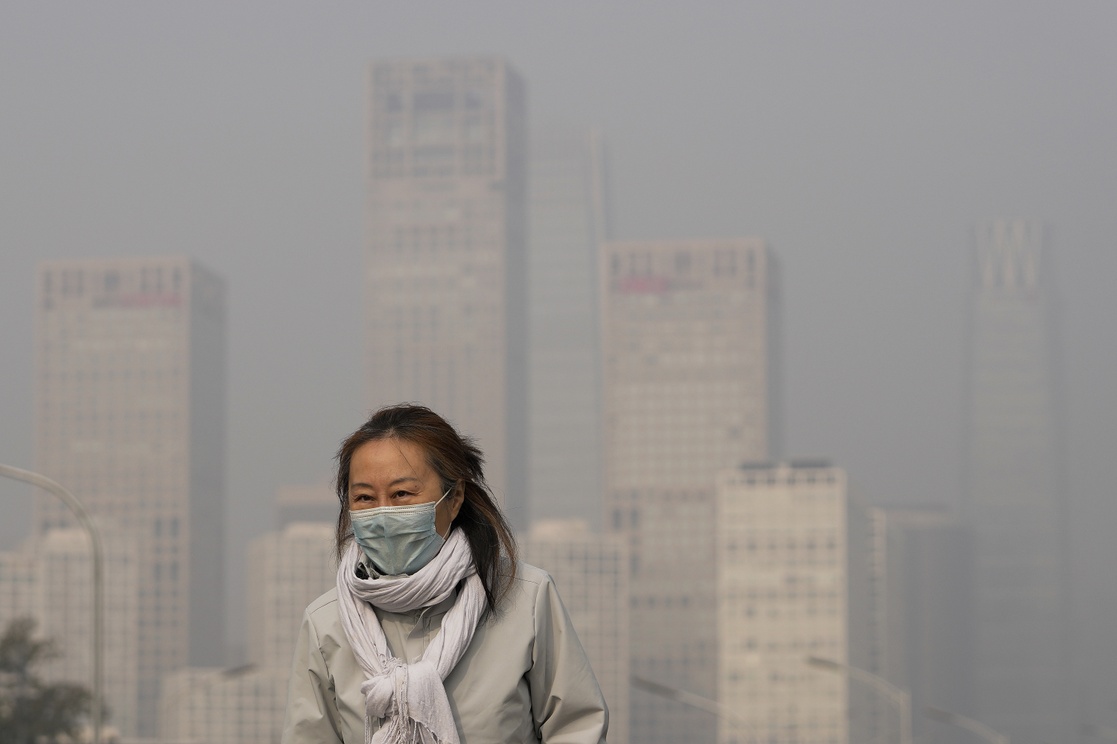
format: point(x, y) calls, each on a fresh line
point(862, 139)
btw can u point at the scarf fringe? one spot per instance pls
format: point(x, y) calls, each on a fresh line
point(409, 700)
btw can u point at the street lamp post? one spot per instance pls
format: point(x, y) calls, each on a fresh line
point(900, 697)
point(71, 501)
point(970, 724)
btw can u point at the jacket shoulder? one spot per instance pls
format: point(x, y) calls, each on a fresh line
point(531, 575)
point(325, 603)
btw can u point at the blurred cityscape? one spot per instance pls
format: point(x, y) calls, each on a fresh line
point(630, 397)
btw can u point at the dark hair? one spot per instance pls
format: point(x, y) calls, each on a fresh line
point(456, 460)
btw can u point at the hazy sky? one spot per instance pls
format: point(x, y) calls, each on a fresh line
point(861, 139)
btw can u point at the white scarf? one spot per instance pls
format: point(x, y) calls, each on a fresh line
point(409, 699)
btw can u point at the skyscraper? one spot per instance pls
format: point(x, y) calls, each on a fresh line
point(568, 222)
point(445, 274)
point(130, 415)
point(790, 581)
point(690, 359)
point(1015, 499)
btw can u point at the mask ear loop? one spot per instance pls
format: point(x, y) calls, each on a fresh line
point(448, 490)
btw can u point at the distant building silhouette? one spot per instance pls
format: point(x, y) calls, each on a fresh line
point(591, 572)
point(1015, 496)
point(921, 576)
point(48, 578)
point(568, 222)
point(691, 365)
point(287, 571)
point(64, 607)
point(17, 584)
point(130, 416)
point(445, 271)
point(237, 705)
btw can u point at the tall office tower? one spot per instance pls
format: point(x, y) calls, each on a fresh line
point(788, 549)
point(288, 570)
point(568, 223)
point(1015, 496)
point(591, 572)
point(920, 576)
point(691, 363)
point(64, 607)
point(445, 271)
point(130, 415)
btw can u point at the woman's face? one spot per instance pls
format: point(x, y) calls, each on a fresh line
point(394, 472)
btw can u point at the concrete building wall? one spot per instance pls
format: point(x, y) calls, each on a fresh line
point(591, 572)
point(129, 414)
point(17, 585)
point(287, 571)
point(241, 705)
point(687, 339)
point(64, 604)
point(783, 595)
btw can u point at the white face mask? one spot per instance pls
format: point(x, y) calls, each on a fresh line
point(398, 540)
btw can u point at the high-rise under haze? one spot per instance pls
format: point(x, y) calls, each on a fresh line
point(920, 613)
point(690, 346)
point(568, 220)
point(1015, 497)
point(445, 270)
point(791, 573)
point(130, 416)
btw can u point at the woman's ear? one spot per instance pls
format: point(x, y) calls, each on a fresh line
point(455, 500)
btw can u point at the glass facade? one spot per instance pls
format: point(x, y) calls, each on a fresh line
point(1015, 494)
point(567, 214)
point(445, 271)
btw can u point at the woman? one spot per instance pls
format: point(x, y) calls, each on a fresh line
point(434, 633)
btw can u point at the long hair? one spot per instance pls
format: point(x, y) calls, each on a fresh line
point(456, 460)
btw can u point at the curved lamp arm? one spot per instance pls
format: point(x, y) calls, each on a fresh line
point(897, 695)
point(694, 701)
point(970, 724)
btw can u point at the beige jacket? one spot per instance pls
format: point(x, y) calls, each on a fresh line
point(524, 677)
